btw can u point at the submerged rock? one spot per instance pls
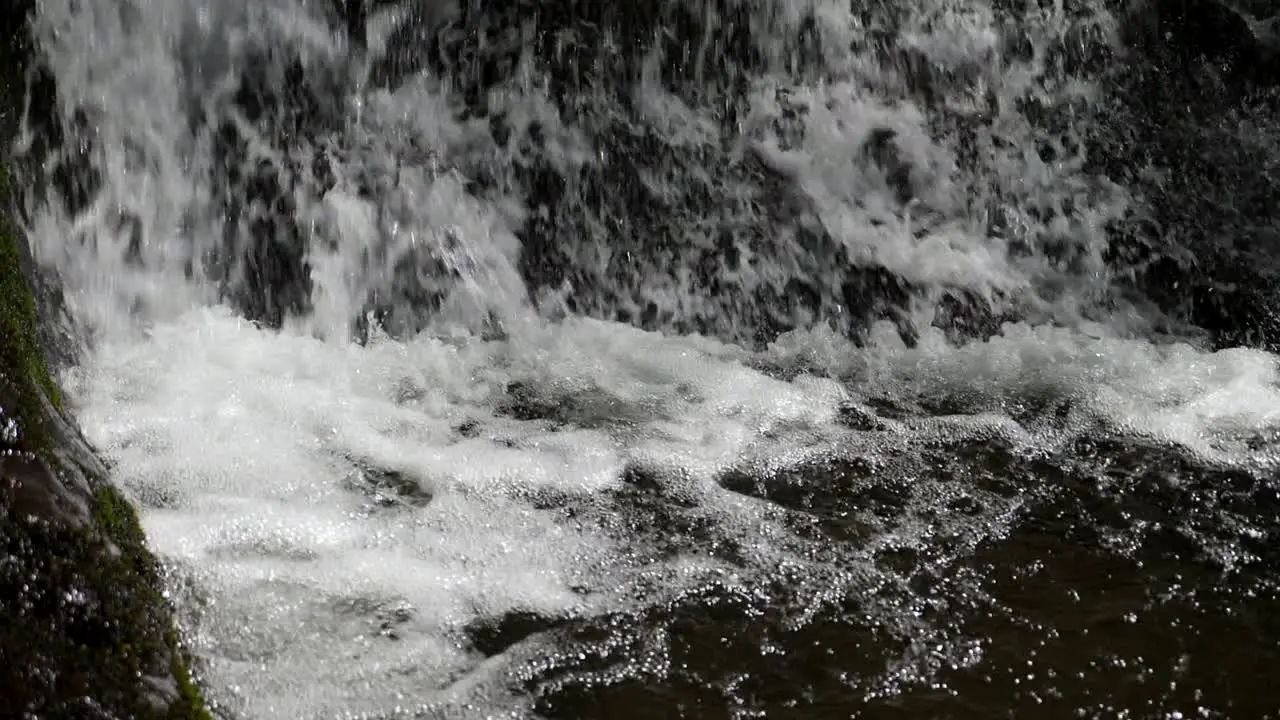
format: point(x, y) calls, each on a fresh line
point(85, 630)
point(495, 635)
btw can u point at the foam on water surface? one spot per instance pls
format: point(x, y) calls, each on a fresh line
point(264, 457)
point(264, 461)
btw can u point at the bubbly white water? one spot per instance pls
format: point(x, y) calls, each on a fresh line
point(311, 586)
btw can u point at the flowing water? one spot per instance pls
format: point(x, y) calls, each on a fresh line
point(708, 359)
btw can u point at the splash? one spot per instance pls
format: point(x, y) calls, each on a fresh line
point(902, 178)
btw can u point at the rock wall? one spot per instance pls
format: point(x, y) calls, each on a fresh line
point(1194, 132)
point(1186, 121)
point(85, 631)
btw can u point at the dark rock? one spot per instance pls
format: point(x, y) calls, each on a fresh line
point(1239, 44)
point(670, 235)
point(388, 488)
point(762, 262)
point(524, 402)
point(468, 429)
point(699, 237)
point(592, 57)
point(85, 630)
point(493, 636)
point(881, 149)
point(862, 419)
point(642, 479)
point(262, 267)
point(1191, 129)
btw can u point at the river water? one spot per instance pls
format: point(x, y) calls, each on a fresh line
point(735, 359)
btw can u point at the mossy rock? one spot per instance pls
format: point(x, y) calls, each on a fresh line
point(86, 632)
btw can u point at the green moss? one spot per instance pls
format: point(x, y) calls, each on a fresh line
point(81, 623)
point(21, 358)
point(20, 355)
point(120, 523)
point(127, 632)
point(190, 704)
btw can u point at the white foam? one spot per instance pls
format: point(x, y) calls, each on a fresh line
point(245, 441)
point(1210, 403)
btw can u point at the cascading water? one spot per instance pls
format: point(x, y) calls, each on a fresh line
point(707, 359)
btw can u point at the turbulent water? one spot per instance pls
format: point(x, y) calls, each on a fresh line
point(706, 359)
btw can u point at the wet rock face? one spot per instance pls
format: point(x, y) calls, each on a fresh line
point(261, 267)
point(85, 631)
point(1192, 99)
point(711, 219)
point(1238, 38)
point(1186, 129)
point(1196, 136)
point(654, 217)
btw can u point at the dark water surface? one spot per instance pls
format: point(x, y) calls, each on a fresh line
point(1130, 583)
